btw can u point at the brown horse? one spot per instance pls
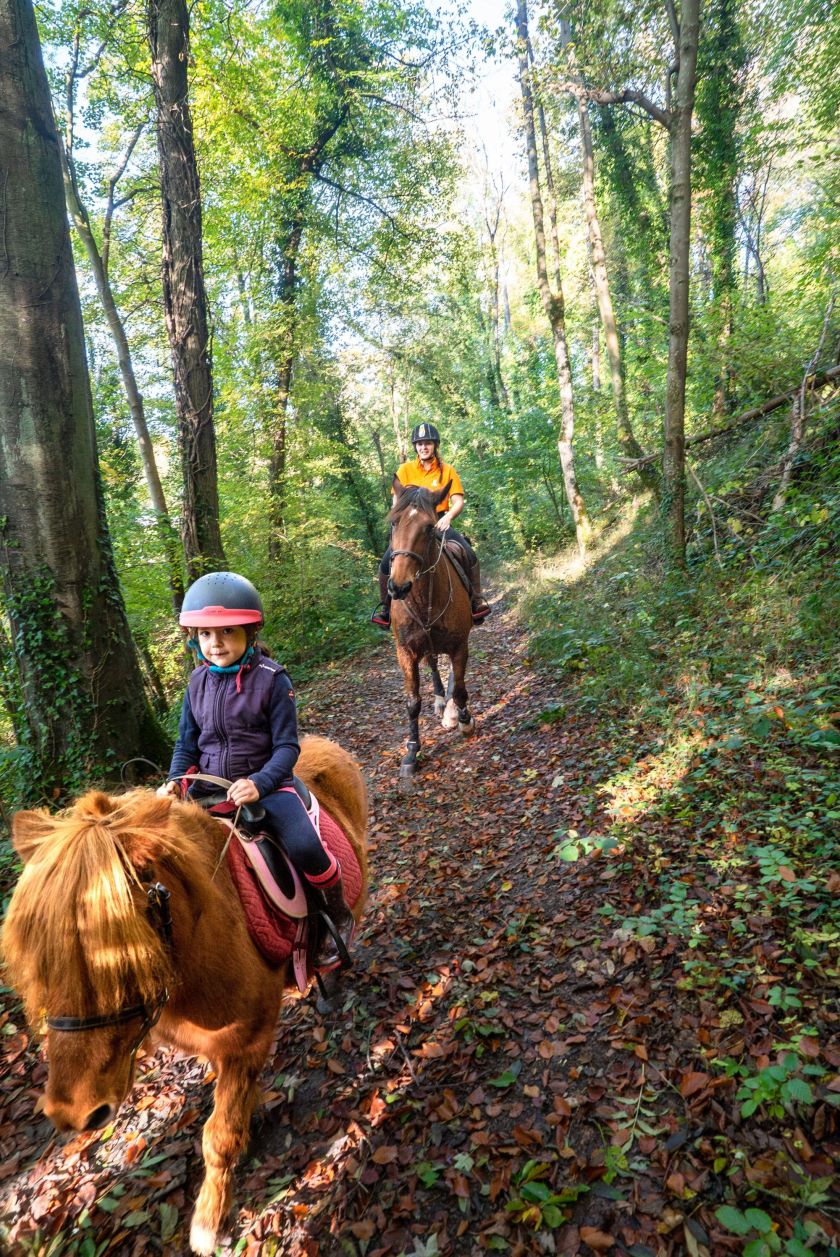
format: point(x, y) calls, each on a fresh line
point(431, 613)
point(92, 940)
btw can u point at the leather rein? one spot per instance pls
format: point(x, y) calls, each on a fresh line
point(157, 910)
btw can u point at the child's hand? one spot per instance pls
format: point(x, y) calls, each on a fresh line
point(169, 787)
point(243, 791)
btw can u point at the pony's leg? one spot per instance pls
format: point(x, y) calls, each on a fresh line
point(440, 692)
point(411, 676)
point(457, 710)
point(224, 1137)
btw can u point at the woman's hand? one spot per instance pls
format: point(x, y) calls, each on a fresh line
point(243, 791)
point(169, 787)
point(443, 522)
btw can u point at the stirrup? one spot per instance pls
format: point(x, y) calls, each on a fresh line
point(480, 614)
point(381, 617)
point(343, 960)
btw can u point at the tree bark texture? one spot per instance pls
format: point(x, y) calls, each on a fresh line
point(184, 296)
point(82, 699)
point(81, 221)
point(673, 462)
point(552, 303)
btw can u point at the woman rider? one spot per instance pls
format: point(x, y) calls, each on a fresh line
point(429, 472)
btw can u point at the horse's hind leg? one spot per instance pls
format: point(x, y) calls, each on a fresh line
point(440, 692)
point(457, 709)
point(224, 1137)
point(411, 676)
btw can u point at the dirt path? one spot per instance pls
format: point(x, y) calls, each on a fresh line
point(509, 1071)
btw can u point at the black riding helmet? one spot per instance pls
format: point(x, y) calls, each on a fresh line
point(221, 598)
point(425, 432)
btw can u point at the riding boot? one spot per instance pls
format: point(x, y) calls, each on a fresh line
point(480, 607)
point(382, 615)
point(342, 918)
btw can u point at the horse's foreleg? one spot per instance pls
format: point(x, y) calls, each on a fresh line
point(411, 676)
point(466, 723)
point(440, 692)
point(224, 1137)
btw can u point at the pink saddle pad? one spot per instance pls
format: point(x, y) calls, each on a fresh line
point(272, 931)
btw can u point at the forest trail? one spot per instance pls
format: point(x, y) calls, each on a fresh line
point(509, 1071)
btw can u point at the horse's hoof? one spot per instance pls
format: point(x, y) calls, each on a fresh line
point(466, 729)
point(440, 706)
point(408, 769)
point(406, 784)
point(450, 717)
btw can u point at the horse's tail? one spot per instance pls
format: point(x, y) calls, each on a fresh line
point(337, 780)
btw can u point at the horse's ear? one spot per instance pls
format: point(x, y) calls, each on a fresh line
point(397, 485)
point(28, 831)
point(438, 497)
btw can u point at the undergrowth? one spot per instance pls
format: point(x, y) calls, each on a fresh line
point(718, 692)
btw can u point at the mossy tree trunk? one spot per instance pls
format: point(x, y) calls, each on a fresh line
point(81, 701)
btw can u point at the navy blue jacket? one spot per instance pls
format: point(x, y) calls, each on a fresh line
point(249, 732)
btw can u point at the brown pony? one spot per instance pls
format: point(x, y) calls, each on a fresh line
point(431, 613)
point(90, 943)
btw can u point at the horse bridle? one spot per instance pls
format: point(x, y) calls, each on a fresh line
point(160, 918)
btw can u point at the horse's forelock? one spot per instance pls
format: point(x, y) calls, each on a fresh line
point(416, 496)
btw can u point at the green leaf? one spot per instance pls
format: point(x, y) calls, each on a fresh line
point(509, 1077)
point(799, 1090)
point(759, 1219)
point(733, 1220)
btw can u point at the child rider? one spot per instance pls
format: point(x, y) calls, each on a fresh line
point(238, 721)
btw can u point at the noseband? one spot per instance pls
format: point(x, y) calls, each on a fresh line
point(157, 910)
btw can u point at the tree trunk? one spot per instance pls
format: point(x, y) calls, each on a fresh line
point(184, 297)
point(673, 463)
point(81, 221)
point(82, 703)
point(552, 304)
point(284, 359)
point(626, 437)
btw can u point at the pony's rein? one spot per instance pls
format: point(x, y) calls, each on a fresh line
point(232, 824)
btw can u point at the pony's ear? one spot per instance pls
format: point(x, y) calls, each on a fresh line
point(438, 497)
point(28, 830)
point(397, 485)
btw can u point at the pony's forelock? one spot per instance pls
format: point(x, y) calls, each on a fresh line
point(78, 909)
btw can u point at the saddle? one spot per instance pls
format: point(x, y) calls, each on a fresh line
point(457, 557)
point(284, 915)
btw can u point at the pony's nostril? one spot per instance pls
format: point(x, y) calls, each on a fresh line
point(99, 1117)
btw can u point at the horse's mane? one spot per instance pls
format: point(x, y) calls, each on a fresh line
point(416, 496)
point(78, 910)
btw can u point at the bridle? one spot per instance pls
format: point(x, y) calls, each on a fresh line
point(426, 571)
point(157, 910)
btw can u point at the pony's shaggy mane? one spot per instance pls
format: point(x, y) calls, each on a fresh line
point(79, 909)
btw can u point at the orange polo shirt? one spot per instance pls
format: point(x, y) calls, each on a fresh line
point(435, 478)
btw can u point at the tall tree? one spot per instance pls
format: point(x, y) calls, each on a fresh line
point(553, 302)
point(82, 694)
point(98, 261)
point(675, 116)
point(606, 310)
point(184, 296)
